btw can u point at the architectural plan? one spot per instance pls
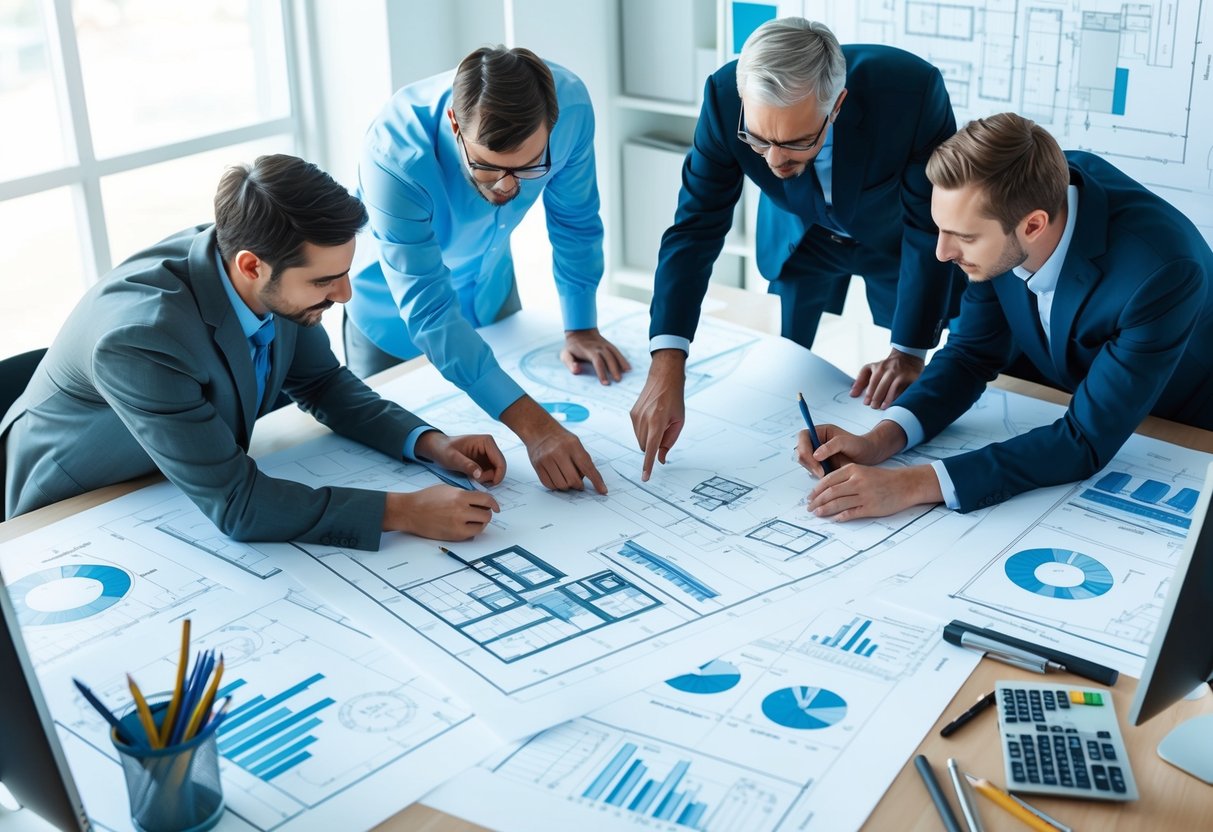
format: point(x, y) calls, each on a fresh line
point(328, 728)
point(1128, 81)
point(803, 729)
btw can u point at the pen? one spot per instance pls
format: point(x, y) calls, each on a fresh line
point(447, 551)
point(937, 796)
point(965, 797)
point(106, 714)
point(826, 467)
point(962, 720)
point(1007, 654)
point(1074, 664)
point(1017, 808)
point(204, 704)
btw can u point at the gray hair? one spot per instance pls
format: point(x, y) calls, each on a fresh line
point(787, 60)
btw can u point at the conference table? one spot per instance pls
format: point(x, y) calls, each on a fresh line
point(1170, 799)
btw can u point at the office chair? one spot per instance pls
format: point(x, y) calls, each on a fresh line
point(15, 373)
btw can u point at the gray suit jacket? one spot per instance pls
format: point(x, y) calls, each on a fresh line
point(152, 372)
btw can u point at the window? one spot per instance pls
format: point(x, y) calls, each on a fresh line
point(117, 118)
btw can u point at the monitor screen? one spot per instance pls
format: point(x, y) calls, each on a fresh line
point(1181, 655)
point(32, 765)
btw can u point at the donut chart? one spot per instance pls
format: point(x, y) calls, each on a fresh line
point(63, 594)
point(1059, 573)
point(714, 677)
point(804, 708)
point(567, 411)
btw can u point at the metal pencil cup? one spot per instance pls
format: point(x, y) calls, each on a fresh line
point(173, 789)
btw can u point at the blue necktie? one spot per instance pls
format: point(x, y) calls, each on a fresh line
point(261, 357)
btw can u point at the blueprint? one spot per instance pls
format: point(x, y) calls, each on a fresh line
point(766, 737)
point(328, 728)
point(1128, 81)
point(569, 601)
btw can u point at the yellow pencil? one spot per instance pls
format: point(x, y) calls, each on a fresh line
point(1003, 800)
point(174, 704)
point(204, 704)
point(145, 713)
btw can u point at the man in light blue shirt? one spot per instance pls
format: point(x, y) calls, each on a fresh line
point(449, 168)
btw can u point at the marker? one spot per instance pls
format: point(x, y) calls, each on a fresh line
point(937, 797)
point(962, 720)
point(826, 467)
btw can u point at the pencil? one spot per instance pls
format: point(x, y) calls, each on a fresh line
point(145, 713)
point(204, 704)
point(826, 467)
point(174, 704)
point(1003, 800)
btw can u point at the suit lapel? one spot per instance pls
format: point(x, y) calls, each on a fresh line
point(850, 160)
point(1023, 315)
point(1079, 275)
point(282, 348)
point(217, 312)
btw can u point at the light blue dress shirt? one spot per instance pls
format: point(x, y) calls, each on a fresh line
point(441, 252)
point(823, 165)
point(250, 322)
point(1042, 283)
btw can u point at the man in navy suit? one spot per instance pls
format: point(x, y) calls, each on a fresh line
point(1097, 283)
point(837, 139)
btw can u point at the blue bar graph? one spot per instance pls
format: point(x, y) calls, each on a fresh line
point(267, 736)
point(622, 783)
point(1139, 509)
point(1185, 500)
point(1150, 491)
point(1114, 482)
point(857, 643)
point(673, 573)
point(1120, 91)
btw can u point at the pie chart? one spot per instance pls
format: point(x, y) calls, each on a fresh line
point(68, 593)
point(714, 677)
point(804, 708)
point(567, 411)
point(1059, 573)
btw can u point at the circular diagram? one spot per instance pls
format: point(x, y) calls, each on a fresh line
point(377, 713)
point(1059, 573)
point(567, 411)
point(63, 594)
point(804, 708)
point(714, 677)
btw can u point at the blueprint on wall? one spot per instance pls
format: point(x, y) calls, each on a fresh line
point(1128, 81)
point(766, 737)
point(327, 727)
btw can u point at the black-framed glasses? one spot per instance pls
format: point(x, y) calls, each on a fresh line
point(493, 174)
point(761, 145)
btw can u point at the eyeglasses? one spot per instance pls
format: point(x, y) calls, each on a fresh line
point(491, 175)
point(761, 145)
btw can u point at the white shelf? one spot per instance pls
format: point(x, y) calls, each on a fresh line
point(657, 105)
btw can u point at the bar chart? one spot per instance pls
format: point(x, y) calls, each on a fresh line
point(857, 643)
point(266, 736)
point(1143, 500)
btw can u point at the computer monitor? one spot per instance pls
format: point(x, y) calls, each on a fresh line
point(32, 765)
point(1181, 656)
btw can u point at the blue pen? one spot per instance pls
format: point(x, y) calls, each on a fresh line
point(826, 467)
point(92, 699)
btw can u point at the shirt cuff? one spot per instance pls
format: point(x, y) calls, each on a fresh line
point(410, 442)
point(908, 422)
point(495, 391)
point(579, 311)
point(669, 342)
point(914, 351)
point(945, 485)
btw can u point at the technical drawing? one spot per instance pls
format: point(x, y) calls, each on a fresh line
point(718, 491)
point(673, 573)
point(787, 536)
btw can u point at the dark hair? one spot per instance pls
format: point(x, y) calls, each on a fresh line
point(1014, 160)
point(277, 205)
point(502, 96)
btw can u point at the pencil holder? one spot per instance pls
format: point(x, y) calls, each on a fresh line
point(173, 789)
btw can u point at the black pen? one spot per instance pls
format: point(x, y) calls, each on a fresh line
point(937, 796)
point(1049, 658)
point(962, 720)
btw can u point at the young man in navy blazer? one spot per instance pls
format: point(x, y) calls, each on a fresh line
point(837, 140)
point(1099, 284)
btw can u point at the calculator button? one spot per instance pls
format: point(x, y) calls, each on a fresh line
point(1100, 775)
point(1104, 735)
point(1109, 752)
point(1117, 778)
point(1093, 750)
point(1017, 772)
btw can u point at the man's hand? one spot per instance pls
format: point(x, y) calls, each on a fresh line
point(660, 409)
point(440, 512)
point(475, 455)
point(842, 447)
point(588, 345)
point(855, 491)
point(882, 382)
point(559, 458)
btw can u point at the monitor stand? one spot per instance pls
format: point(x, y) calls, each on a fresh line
point(1189, 747)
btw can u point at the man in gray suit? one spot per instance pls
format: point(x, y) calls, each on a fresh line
point(168, 361)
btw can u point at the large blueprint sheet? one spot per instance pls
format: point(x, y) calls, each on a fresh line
point(803, 729)
point(328, 728)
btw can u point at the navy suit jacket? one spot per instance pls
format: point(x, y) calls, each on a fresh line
point(896, 112)
point(1131, 335)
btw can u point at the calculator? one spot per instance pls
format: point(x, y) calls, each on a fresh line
point(1063, 741)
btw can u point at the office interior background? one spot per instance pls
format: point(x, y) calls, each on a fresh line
point(120, 115)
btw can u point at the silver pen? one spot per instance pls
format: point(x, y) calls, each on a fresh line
point(965, 798)
point(1061, 827)
point(1008, 654)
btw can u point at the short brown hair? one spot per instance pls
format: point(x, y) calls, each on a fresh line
point(279, 203)
point(1015, 161)
point(502, 96)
